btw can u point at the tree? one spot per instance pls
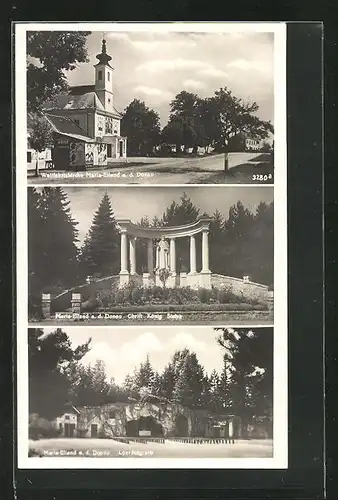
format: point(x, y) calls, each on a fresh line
point(49, 357)
point(90, 385)
point(233, 116)
point(189, 387)
point(248, 358)
point(49, 54)
point(40, 136)
point(35, 234)
point(184, 121)
point(142, 127)
point(100, 252)
point(144, 377)
point(52, 250)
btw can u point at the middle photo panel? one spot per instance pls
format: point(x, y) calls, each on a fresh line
point(151, 255)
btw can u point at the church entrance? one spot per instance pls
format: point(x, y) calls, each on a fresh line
point(121, 148)
point(144, 426)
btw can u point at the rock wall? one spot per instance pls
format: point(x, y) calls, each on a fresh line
point(249, 290)
point(164, 414)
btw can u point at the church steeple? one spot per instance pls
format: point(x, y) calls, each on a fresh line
point(104, 58)
point(104, 78)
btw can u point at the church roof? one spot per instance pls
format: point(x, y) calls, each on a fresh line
point(79, 98)
point(84, 100)
point(66, 126)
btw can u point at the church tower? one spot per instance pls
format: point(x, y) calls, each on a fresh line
point(104, 79)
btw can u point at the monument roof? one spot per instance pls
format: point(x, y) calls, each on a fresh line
point(201, 224)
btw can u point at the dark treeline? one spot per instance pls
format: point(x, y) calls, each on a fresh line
point(219, 122)
point(241, 242)
point(242, 387)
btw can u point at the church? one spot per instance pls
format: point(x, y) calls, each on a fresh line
point(85, 122)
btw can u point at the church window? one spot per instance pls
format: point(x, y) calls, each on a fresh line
point(67, 417)
point(108, 76)
point(100, 75)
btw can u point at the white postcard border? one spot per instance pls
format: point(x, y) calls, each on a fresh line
point(280, 409)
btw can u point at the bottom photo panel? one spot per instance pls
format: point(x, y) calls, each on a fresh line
point(141, 393)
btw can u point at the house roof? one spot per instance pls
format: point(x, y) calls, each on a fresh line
point(66, 126)
point(79, 98)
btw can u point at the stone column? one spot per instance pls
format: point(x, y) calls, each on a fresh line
point(124, 268)
point(192, 255)
point(124, 273)
point(172, 256)
point(205, 252)
point(132, 252)
point(150, 257)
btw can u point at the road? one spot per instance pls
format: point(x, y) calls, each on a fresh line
point(204, 170)
point(101, 448)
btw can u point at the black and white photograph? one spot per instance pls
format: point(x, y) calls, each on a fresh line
point(138, 393)
point(155, 106)
point(151, 300)
point(135, 255)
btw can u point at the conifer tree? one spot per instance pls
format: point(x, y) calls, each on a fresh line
point(100, 252)
point(57, 239)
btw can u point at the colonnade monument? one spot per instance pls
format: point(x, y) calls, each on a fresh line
point(161, 254)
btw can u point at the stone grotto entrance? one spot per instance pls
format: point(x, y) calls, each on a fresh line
point(144, 426)
point(181, 426)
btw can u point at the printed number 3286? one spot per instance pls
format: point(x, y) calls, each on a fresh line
point(261, 177)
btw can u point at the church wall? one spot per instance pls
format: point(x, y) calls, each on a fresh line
point(99, 125)
point(76, 154)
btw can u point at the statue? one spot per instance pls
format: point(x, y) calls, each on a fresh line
point(162, 254)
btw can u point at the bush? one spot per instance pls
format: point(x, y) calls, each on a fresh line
point(136, 295)
point(41, 428)
point(204, 295)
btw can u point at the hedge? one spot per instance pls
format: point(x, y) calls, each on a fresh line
point(185, 307)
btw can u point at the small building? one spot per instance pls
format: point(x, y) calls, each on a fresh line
point(67, 424)
point(85, 122)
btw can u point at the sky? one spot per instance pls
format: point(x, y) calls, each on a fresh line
point(150, 201)
point(154, 67)
point(123, 349)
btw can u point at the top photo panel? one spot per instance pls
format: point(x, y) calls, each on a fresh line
point(150, 103)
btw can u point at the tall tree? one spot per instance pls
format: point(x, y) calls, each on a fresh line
point(49, 356)
point(184, 121)
point(142, 127)
point(234, 116)
point(55, 255)
point(35, 232)
point(100, 252)
point(49, 54)
point(248, 364)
